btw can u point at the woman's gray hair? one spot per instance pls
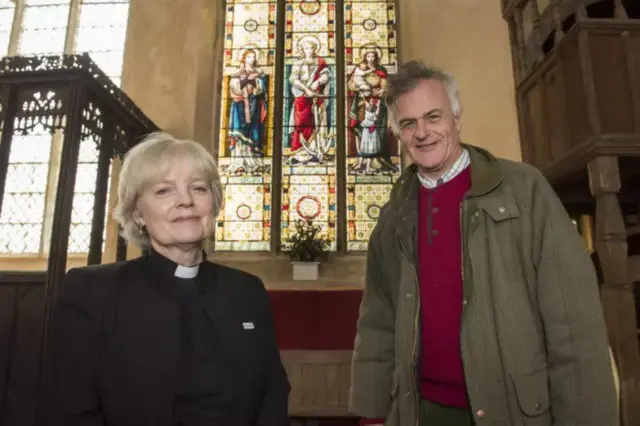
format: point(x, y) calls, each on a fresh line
point(148, 162)
point(408, 77)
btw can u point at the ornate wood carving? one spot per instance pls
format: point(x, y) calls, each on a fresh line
point(617, 289)
point(69, 94)
point(578, 98)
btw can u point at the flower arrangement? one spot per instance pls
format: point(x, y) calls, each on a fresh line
point(306, 244)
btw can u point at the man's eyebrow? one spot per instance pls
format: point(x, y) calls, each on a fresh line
point(426, 114)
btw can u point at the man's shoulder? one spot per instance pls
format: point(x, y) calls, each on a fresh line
point(520, 175)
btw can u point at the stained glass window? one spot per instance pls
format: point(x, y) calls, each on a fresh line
point(326, 92)
point(309, 137)
point(246, 134)
point(53, 27)
point(373, 161)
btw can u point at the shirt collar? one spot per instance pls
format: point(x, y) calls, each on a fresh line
point(168, 267)
point(186, 271)
point(461, 163)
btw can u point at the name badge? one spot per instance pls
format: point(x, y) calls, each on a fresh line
point(248, 325)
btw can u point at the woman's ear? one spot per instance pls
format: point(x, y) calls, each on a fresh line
point(137, 218)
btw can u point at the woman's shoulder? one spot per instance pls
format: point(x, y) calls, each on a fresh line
point(236, 278)
point(91, 284)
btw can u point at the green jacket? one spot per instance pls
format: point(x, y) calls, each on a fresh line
point(533, 339)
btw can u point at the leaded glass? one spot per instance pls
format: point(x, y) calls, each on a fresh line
point(246, 131)
point(23, 205)
point(101, 33)
point(7, 9)
point(308, 161)
point(373, 160)
point(44, 27)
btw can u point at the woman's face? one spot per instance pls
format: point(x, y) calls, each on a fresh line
point(371, 57)
point(177, 210)
point(250, 59)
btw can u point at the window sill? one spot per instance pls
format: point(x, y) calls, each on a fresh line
point(340, 272)
point(37, 262)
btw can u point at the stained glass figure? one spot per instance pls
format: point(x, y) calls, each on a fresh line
point(309, 166)
point(246, 134)
point(373, 160)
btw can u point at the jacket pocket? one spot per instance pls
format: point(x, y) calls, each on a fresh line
point(532, 391)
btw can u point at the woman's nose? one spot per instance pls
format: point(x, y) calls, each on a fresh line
point(185, 198)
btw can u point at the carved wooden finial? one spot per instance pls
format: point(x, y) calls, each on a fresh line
point(620, 12)
point(581, 13)
point(557, 22)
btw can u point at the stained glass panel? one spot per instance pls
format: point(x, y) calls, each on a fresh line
point(373, 157)
point(23, 205)
point(44, 27)
point(308, 161)
point(246, 131)
point(101, 33)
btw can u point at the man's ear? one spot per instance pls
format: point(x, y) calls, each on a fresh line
point(458, 121)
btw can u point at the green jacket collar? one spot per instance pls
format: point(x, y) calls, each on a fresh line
point(486, 175)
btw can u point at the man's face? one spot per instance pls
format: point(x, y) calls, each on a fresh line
point(428, 128)
point(309, 50)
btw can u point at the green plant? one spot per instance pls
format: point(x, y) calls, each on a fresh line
point(306, 243)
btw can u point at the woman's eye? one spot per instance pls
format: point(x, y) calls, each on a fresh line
point(162, 191)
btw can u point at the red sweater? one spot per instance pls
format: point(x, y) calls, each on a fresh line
point(440, 272)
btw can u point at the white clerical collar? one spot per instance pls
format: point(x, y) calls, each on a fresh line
point(187, 272)
point(461, 163)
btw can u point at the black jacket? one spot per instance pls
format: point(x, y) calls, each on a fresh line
point(115, 343)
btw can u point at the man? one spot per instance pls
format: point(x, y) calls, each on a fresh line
point(481, 304)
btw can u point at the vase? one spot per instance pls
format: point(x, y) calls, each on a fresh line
point(305, 271)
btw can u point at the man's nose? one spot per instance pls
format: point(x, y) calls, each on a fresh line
point(422, 130)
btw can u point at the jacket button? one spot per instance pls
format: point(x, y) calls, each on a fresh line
point(480, 413)
point(501, 209)
point(537, 407)
point(408, 295)
point(408, 394)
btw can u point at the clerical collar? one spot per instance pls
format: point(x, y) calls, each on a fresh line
point(186, 271)
point(461, 163)
point(168, 267)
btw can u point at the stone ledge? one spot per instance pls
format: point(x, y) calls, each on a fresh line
point(344, 272)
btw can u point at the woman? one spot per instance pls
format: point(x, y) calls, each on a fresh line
point(168, 338)
point(367, 84)
point(248, 89)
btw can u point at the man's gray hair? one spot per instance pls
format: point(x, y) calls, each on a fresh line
point(408, 77)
